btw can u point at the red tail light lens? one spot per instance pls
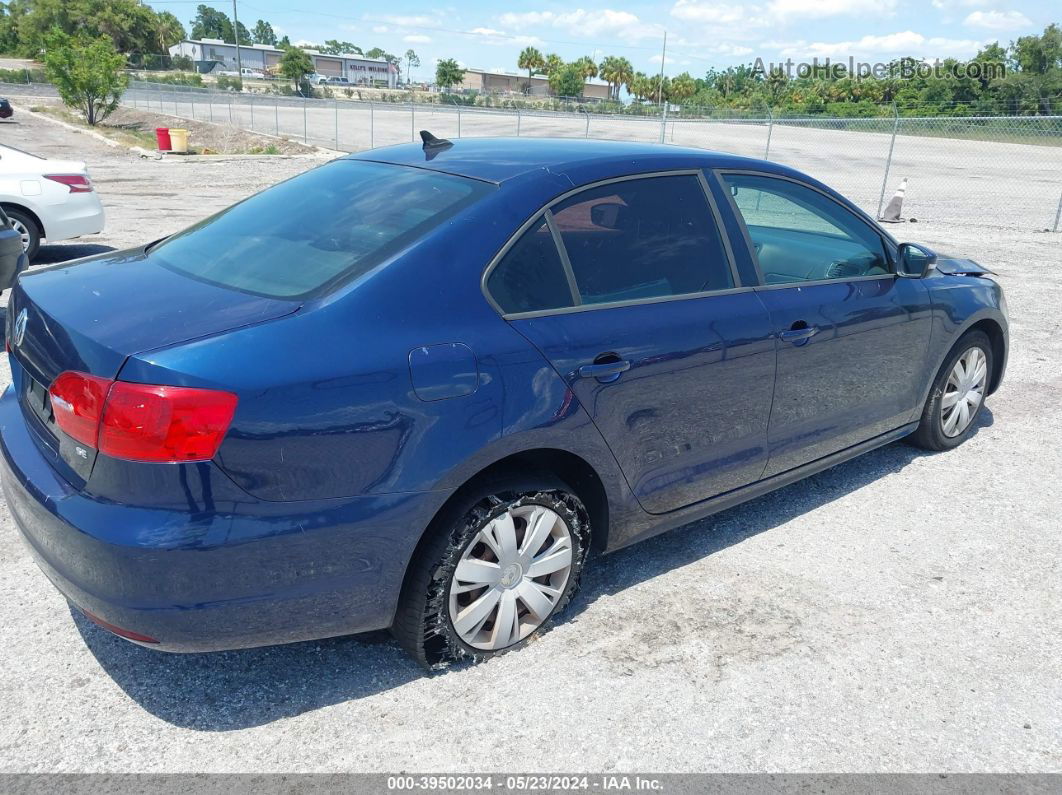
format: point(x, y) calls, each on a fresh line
point(164, 423)
point(142, 422)
point(78, 183)
point(77, 402)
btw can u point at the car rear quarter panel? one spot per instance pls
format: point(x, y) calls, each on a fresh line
point(327, 403)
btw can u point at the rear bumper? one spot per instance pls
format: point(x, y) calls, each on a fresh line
point(81, 214)
point(254, 574)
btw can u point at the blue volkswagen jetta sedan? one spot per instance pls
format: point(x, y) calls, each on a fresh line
point(413, 388)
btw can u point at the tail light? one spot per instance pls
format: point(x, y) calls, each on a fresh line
point(78, 183)
point(142, 422)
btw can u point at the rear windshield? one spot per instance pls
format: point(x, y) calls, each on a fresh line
point(326, 226)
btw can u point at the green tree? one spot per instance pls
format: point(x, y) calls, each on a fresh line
point(169, 30)
point(209, 23)
point(11, 14)
point(567, 80)
point(412, 60)
point(531, 60)
point(553, 63)
point(448, 73)
point(295, 64)
point(336, 47)
point(284, 42)
point(86, 72)
point(683, 87)
point(262, 33)
point(376, 52)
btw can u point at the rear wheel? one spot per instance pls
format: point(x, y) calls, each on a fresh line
point(957, 396)
point(495, 571)
point(27, 228)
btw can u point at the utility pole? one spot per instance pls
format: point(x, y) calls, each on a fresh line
point(659, 89)
point(236, 35)
point(663, 57)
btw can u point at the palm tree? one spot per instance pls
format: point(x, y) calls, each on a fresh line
point(683, 87)
point(553, 63)
point(531, 60)
point(624, 74)
point(587, 67)
point(607, 70)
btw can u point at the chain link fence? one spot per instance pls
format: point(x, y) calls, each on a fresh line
point(998, 171)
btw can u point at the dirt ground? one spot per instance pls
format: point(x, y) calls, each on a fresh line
point(135, 126)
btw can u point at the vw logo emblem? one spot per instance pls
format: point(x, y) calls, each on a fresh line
point(20, 328)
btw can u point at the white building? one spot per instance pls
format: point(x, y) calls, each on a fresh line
point(209, 54)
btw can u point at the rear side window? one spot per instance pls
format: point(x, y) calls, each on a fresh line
point(530, 277)
point(328, 225)
point(642, 238)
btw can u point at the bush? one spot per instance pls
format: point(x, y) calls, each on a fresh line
point(176, 79)
point(183, 62)
point(229, 83)
point(22, 76)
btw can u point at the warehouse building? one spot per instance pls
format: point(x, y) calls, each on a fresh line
point(214, 54)
point(487, 82)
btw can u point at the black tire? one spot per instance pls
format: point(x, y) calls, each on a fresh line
point(20, 217)
point(422, 624)
point(930, 434)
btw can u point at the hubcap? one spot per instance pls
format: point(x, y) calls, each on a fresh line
point(510, 577)
point(964, 391)
point(23, 232)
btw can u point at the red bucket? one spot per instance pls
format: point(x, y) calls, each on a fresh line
point(162, 135)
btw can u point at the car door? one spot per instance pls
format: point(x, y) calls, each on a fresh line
point(853, 336)
point(629, 290)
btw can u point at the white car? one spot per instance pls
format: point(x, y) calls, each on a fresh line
point(45, 199)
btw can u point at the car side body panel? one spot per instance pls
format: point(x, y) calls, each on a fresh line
point(396, 389)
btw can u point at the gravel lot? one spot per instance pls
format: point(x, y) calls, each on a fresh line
point(897, 613)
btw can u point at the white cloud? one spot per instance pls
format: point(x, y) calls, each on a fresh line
point(415, 21)
point(302, 43)
point(905, 43)
point(499, 38)
point(655, 59)
point(997, 20)
point(787, 10)
point(417, 38)
point(709, 12)
point(947, 5)
point(381, 29)
point(580, 22)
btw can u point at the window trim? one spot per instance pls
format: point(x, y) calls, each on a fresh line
point(888, 243)
point(547, 211)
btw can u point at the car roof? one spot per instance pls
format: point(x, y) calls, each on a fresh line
point(500, 159)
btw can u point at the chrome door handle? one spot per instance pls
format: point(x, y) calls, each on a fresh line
point(606, 371)
point(799, 335)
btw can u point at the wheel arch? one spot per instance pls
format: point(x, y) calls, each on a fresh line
point(994, 330)
point(572, 469)
point(10, 205)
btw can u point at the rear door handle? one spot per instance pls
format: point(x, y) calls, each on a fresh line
point(798, 335)
point(606, 371)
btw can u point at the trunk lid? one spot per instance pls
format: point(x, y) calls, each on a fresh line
point(92, 315)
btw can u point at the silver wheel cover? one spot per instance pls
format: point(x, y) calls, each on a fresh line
point(510, 577)
point(963, 392)
point(23, 232)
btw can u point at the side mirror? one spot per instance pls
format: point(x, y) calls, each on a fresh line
point(914, 261)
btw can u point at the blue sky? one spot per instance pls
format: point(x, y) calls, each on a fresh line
point(700, 34)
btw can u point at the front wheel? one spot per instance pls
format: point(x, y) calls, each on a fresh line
point(957, 396)
point(495, 572)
